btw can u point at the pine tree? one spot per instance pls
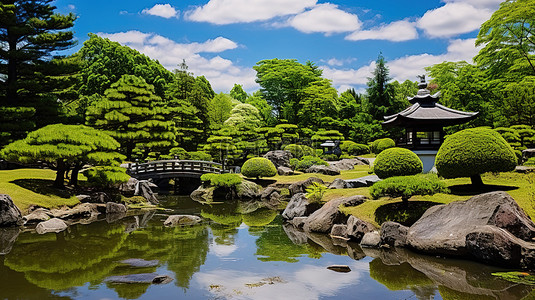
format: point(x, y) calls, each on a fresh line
point(133, 115)
point(380, 94)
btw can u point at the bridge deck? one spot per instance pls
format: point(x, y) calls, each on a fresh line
point(173, 169)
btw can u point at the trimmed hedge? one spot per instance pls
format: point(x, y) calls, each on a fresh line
point(308, 161)
point(257, 167)
point(472, 152)
point(222, 180)
point(380, 145)
point(408, 186)
point(106, 177)
point(353, 148)
point(299, 151)
point(397, 162)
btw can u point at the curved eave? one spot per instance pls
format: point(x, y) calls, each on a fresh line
point(437, 115)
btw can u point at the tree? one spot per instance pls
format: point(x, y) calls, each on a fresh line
point(219, 109)
point(133, 115)
point(244, 114)
point(519, 101)
point(64, 147)
point(319, 101)
point(282, 82)
point(472, 152)
point(397, 162)
point(238, 93)
point(508, 40)
point(266, 111)
point(380, 92)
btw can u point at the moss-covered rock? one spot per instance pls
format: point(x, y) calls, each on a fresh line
point(397, 162)
point(471, 152)
point(257, 167)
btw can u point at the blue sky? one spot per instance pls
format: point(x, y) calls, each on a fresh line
point(224, 39)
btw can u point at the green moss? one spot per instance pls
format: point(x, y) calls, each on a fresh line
point(471, 152)
point(258, 167)
point(397, 162)
point(517, 277)
point(222, 180)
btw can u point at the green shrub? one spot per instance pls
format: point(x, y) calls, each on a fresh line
point(408, 186)
point(345, 156)
point(200, 155)
point(353, 148)
point(293, 163)
point(379, 145)
point(179, 153)
point(308, 161)
point(397, 162)
point(222, 180)
point(258, 167)
point(299, 151)
point(530, 162)
point(472, 152)
point(315, 192)
point(105, 177)
point(330, 157)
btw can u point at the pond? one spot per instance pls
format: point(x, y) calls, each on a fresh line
point(233, 256)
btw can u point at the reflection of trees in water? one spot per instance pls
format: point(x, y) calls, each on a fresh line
point(259, 217)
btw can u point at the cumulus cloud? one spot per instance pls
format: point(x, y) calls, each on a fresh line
point(222, 73)
point(452, 19)
point(325, 18)
point(338, 62)
point(403, 68)
point(161, 10)
point(245, 11)
point(395, 32)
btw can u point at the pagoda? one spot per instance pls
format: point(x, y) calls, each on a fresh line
point(424, 123)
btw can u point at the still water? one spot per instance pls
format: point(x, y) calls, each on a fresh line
point(241, 253)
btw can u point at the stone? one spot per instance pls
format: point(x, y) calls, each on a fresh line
point(443, 228)
point(248, 190)
point(128, 188)
point(9, 213)
point(285, 171)
point(339, 268)
point(363, 181)
point(295, 235)
point(345, 164)
point(524, 169)
point(527, 154)
point(298, 222)
point(279, 158)
point(8, 236)
point(53, 225)
point(140, 263)
point(326, 170)
point(83, 198)
point(182, 220)
point(371, 240)
point(300, 186)
point(356, 228)
point(152, 278)
point(394, 234)
point(37, 215)
point(98, 197)
point(339, 231)
point(83, 210)
point(203, 194)
point(144, 188)
point(299, 206)
point(339, 184)
point(266, 193)
point(323, 219)
point(115, 208)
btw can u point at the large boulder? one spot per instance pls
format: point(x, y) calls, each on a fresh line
point(325, 170)
point(203, 194)
point(53, 225)
point(300, 186)
point(329, 214)
point(299, 206)
point(339, 184)
point(279, 158)
point(37, 215)
point(182, 220)
point(248, 190)
point(357, 228)
point(446, 229)
point(144, 188)
point(285, 171)
point(115, 208)
point(83, 210)
point(8, 236)
point(371, 239)
point(345, 164)
point(151, 278)
point(394, 234)
point(129, 188)
point(9, 213)
point(363, 181)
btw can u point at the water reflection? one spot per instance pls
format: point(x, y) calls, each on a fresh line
point(239, 253)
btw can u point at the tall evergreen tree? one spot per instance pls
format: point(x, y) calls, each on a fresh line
point(134, 116)
point(380, 93)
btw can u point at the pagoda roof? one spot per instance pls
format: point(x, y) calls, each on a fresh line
point(429, 113)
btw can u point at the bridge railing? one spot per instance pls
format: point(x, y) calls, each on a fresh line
point(162, 166)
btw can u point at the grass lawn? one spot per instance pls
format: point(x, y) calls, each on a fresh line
point(34, 187)
point(359, 171)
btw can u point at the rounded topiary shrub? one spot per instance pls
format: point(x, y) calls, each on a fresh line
point(472, 152)
point(380, 145)
point(397, 162)
point(353, 148)
point(258, 167)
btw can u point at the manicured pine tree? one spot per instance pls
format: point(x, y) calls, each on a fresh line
point(132, 114)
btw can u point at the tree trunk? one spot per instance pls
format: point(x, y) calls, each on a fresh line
point(74, 174)
point(476, 180)
point(60, 174)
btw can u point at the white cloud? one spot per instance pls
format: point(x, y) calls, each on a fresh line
point(325, 18)
point(222, 73)
point(492, 4)
point(395, 32)
point(402, 68)
point(339, 62)
point(71, 7)
point(245, 11)
point(453, 19)
point(161, 10)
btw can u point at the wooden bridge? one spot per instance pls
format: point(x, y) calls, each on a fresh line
point(162, 169)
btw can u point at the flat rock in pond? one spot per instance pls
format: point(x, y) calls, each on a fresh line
point(339, 268)
point(182, 220)
point(53, 225)
point(140, 263)
point(152, 278)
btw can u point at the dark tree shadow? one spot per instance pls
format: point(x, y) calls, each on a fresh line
point(262, 181)
point(470, 190)
point(402, 213)
point(43, 187)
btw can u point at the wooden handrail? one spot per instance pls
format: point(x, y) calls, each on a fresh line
point(163, 166)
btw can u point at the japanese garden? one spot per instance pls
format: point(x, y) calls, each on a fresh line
point(122, 178)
